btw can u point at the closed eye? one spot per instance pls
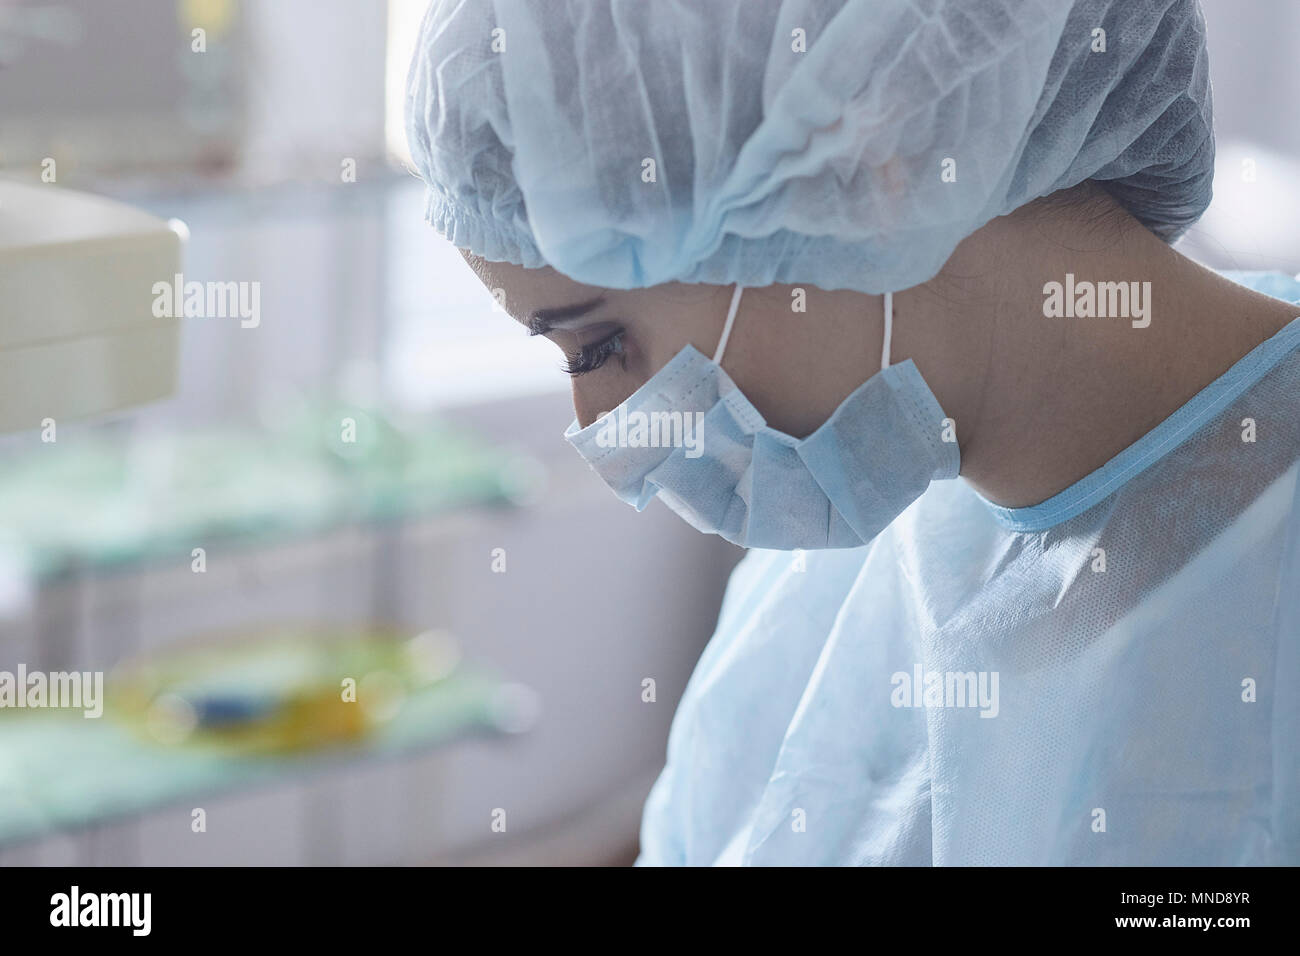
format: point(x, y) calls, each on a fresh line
point(593, 355)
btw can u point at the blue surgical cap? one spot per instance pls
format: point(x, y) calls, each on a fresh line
point(840, 143)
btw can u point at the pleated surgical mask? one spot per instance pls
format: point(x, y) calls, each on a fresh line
point(690, 437)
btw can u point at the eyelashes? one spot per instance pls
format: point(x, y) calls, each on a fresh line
point(592, 356)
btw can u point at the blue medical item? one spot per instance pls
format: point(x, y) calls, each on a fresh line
point(848, 144)
point(707, 453)
point(1111, 677)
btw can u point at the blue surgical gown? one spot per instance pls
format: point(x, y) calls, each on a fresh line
point(1143, 626)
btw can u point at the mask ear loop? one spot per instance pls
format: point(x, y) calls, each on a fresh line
point(735, 305)
point(889, 330)
point(726, 329)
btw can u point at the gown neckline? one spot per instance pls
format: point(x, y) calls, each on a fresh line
point(1155, 444)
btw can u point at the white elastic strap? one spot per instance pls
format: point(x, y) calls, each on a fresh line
point(889, 330)
point(731, 320)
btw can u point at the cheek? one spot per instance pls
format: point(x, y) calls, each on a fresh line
point(648, 350)
point(595, 394)
point(609, 386)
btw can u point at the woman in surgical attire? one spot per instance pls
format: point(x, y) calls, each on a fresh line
point(884, 291)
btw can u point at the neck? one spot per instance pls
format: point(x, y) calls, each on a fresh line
point(1040, 402)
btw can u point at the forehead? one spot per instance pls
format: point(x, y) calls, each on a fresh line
point(521, 291)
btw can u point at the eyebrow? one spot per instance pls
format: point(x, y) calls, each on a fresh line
point(541, 321)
